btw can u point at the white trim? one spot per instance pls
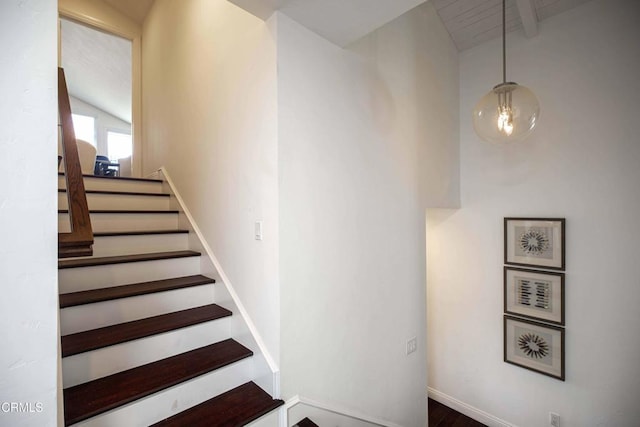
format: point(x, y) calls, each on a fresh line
point(468, 410)
point(136, 107)
point(333, 408)
point(225, 280)
point(100, 15)
point(283, 416)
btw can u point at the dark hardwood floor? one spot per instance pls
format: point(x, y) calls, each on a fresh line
point(443, 416)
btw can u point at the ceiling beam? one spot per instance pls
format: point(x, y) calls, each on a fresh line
point(528, 16)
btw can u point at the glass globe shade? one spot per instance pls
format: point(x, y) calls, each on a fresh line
point(508, 113)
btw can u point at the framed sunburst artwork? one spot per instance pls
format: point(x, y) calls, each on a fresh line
point(537, 295)
point(534, 346)
point(534, 242)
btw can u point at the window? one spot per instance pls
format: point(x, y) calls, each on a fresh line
point(119, 145)
point(84, 128)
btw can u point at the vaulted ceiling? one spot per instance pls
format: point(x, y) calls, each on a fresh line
point(473, 22)
point(469, 22)
point(339, 21)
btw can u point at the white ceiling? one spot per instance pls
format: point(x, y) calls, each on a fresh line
point(97, 68)
point(469, 22)
point(472, 22)
point(340, 21)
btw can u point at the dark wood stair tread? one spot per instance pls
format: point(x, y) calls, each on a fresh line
point(116, 292)
point(120, 193)
point(236, 407)
point(306, 422)
point(95, 397)
point(122, 259)
point(125, 211)
point(137, 232)
point(119, 178)
point(94, 339)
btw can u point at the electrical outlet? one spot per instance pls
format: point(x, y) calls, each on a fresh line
point(412, 345)
point(554, 419)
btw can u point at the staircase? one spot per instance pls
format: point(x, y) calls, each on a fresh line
point(143, 342)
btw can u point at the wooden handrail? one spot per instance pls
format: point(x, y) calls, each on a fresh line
point(79, 241)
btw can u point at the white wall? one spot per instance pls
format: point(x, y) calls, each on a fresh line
point(210, 117)
point(581, 163)
point(413, 82)
point(359, 131)
point(28, 228)
point(105, 122)
point(349, 146)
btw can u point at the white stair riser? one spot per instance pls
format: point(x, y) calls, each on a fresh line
point(105, 184)
point(104, 276)
point(272, 419)
point(129, 245)
point(92, 316)
point(83, 367)
point(175, 399)
point(99, 201)
point(125, 222)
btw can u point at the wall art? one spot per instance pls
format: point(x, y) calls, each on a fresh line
point(534, 294)
point(534, 346)
point(534, 242)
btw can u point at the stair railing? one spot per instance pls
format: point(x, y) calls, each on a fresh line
point(79, 241)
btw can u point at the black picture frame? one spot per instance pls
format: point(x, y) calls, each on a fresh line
point(535, 294)
point(535, 242)
point(535, 346)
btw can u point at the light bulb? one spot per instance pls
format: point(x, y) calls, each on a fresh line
point(505, 121)
point(508, 113)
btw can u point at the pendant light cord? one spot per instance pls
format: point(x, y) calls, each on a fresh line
point(504, 42)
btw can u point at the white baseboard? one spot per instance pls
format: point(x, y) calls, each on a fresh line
point(468, 410)
point(333, 409)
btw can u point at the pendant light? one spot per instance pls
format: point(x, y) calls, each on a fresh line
point(509, 112)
